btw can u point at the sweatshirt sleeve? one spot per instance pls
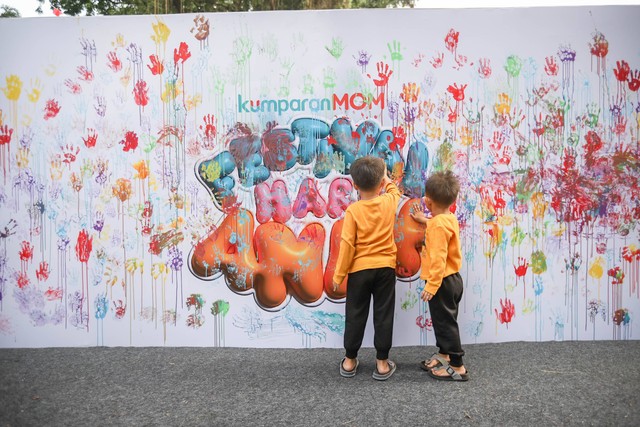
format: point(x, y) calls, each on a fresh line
point(392, 190)
point(438, 241)
point(347, 248)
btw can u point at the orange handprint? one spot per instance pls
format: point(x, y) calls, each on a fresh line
point(410, 92)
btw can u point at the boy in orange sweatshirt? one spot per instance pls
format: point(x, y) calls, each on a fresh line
point(368, 256)
point(441, 262)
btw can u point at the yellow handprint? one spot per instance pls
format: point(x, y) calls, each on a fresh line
point(55, 172)
point(14, 87)
point(466, 136)
point(22, 157)
point(161, 33)
point(36, 90)
point(503, 105)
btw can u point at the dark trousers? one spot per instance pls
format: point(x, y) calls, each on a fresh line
point(444, 315)
point(361, 286)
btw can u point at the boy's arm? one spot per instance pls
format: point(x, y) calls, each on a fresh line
point(347, 249)
point(392, 189)
point(438, 247)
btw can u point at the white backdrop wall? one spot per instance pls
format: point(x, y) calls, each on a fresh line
point(180, 180)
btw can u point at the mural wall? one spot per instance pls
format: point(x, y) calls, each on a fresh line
point(180, 180)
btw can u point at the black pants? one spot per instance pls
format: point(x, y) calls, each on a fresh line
point(444, 315)
point(361, 286)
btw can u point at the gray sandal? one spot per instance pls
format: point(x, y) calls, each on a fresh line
point(382, 377)
point(424, 365)
point(351, 373)
point(452, 374)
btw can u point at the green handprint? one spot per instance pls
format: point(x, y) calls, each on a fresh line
point(336, 48)
point(243, 48)
point(517, 236)
point(353, 79)
point(593, 114)
point(307, 81)
point(329, 81)
point(211, 171)
point(513, 66)
point(395, 51)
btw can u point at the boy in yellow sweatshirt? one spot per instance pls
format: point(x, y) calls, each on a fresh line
point(441, 262)
point(368, 256)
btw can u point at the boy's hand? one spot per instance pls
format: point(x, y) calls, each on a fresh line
point(335, 287)
point(418, 216)
point(426, 296)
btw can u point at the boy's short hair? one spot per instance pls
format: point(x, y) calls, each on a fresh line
point(442, 187)
point(367, 172)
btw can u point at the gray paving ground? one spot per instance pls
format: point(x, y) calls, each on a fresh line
point(512, 384)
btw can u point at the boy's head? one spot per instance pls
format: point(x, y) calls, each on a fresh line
point(367, 172)
point(442, 188)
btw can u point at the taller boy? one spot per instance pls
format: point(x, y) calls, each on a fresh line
point(368, 255)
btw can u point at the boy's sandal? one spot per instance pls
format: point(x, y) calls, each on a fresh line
point(381, 377)
point(452, 374)
point(441, 361)
point(351, 373)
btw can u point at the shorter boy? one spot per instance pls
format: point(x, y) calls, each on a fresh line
point(441, 262)
point(368, 255)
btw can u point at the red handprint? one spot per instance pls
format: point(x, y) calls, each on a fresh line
point(383, 74)
point(437, 60)
point(521, 268)
point(505, 159)
point(452, 117)
point(498, 141)
point(551, 66)
point(399, 138)
point(209, 129)
point(181, 53)
point(634, 81)
point(85, 74)
point(484, 67)
point(69, 154)
point(114, 62)
point(451, 40)
point(53, 294)
point(622, 71)
point(424, 323)
point(74, 87)
point(140, 93)
point(617, 274)
point(508, 312)
point(5, 134)
point(120, 309)
point(156, 67)
point(84, 244)
point(91, 139)
point(600, 46)
point(51, 109)
point(42, 273)
point(22, 280)
point(499, 201)
point(26, 252)
point(457, 92)
point(130, 141)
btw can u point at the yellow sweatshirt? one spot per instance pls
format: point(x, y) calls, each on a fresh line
point(441, 255)
point(367, 239)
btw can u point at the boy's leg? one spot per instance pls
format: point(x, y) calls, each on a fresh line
point(444, 315)
point(356, 310)
point(384, 304)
